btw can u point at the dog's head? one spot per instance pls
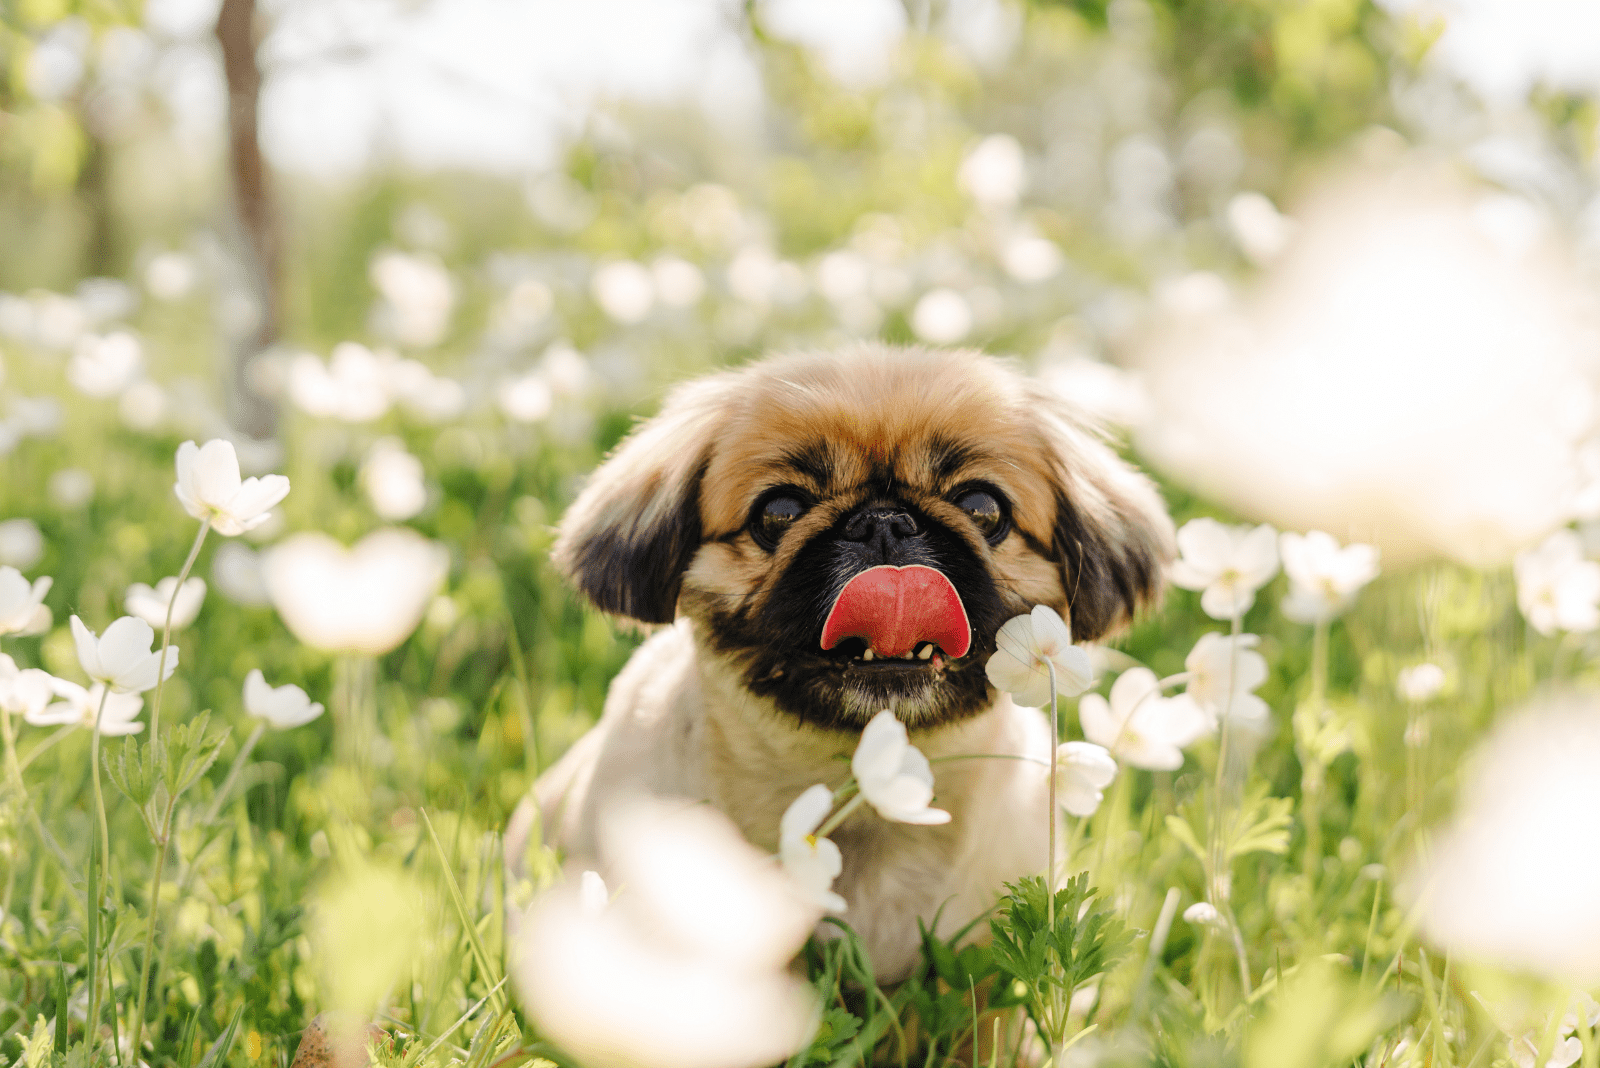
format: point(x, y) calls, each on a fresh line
point(849, 531)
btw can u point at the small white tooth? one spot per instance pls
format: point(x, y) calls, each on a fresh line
point(867, 655)
point(926, 653)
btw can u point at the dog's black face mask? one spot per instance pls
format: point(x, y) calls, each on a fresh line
point(780, 645)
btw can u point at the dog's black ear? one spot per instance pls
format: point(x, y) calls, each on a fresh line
point(1112, 534)
point(633, 531)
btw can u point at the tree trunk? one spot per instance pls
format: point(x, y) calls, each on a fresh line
point(255, 212)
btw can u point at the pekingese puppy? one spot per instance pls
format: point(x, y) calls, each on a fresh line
point(740, 515)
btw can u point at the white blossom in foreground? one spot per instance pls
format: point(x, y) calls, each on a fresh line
point(1324, 577)
point(122, 658)
point(22, 602)
point(893, 775)
point(1027, 647)
point(150, 605)
point(1218, 688)
point(814, 863)
point(1139, 725)
point(687, 966)
point(1420, 682)
point(79, 706)
point(1557, 589)
point(1228, 563)
point(209, 487)
point(1083, 771)
point(281, 706)
point(24, 691)
point(365, 599)
point(1513, 878)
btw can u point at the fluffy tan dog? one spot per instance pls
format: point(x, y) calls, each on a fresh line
point(742, 513)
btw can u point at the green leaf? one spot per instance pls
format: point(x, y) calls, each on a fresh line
point(1180, 829)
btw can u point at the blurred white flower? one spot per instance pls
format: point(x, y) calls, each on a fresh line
point(122, 657)
point(143, 406)
point(1557, 589)
point(1261, 232)
point(624, 290)
point(1215, 687)
point(686, 967)
point(1513, 877)
point(1568, 1048)
point(209, 487)
point(1202, 914)
point(105, 366)
point(1111, 394)
point(1398, 374)
point(282, 706)
point(843, 275)
point(80, 706)
point(678, 283)
point(1029, 258)
point(994, 173)
point(21, 544)
point(893, 775)
point(71, 488)
point(1324, 577)
point(353, 386)
point(1505, 48)
point(24, 691)
point(593, 894)
point(1229, 563)
point(366, 599)
point(418, 297)
point(565, 369)
point(1139, 725)
point(430, 397)
point(1420, 682)
point(150, 605)
point(169, 276)
point(812, 862)
point(21, 602)
point(1083, 771)
point(942, 316)
point(392, 478)
point(527, 399)
point(236, 571)
point(1026, 647)
point(35, 417)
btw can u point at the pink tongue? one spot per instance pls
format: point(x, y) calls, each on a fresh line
point(894, 608)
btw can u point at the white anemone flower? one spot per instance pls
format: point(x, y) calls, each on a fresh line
point(894, 776)
point(1223, 670)
point(210, 488)
point(1139, 725)
point(1512, 879)
point(1083, 771)
point(1229, 563)
point(813, 862)
point(24, 691)
point(281, 706)
point(79, 707)
point(1557, 589)
point(366, 599)
point(687, 966)
point(21, 543)
point(1420, 682)
point(150, 605)
point(1324, 577)
point(21, 602)
point(392, 478)
point(236, 571)
point(122, 658)
point(1027, 647)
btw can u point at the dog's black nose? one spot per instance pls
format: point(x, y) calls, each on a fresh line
point(883, 528)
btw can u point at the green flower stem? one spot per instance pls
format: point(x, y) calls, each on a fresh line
point(166, 631)
point(221, 797)
point(1058, 1022)
point(14, 769)
point(1312, 773)
point(839, 817)
point(57, 735)
point(1219, 878)
point(97, 884)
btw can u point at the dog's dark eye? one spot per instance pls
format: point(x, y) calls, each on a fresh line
point(774, 517)
point(985, 512)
